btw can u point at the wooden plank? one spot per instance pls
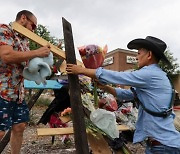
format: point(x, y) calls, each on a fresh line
point(67, 130)
point(80, 136)
point(54, 131)
point(123, 127)
point(98, 144)
point(34, 37)
point(5, 140)
point(65, 119)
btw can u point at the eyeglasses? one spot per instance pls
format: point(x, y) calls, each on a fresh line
point(33, 25)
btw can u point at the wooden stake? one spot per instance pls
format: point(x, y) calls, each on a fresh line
point(80, 135)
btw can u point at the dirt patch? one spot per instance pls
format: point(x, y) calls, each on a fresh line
point(32, 144)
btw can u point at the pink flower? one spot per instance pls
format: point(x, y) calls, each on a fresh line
point(92, 55)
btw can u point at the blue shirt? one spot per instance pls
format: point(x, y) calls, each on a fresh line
point(154, 90)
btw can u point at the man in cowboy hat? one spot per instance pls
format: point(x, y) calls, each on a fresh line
point(153, 90)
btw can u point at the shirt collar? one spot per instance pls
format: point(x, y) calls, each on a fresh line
point(16, 33)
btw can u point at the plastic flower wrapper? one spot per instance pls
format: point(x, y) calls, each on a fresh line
point(106, 121)
point(93, 57)
point(108, 102)
point(127, 114)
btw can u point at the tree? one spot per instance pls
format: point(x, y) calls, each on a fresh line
point(43, 32)
point(174, 68)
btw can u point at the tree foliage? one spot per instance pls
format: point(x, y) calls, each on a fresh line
point(43, 32)
point(174, 68)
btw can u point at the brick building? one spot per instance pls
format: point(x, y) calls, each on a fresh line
point(120, 60)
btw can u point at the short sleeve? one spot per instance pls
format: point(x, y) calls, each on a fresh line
point(6, 35)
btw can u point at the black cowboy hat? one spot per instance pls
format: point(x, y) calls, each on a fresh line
point(156, 45)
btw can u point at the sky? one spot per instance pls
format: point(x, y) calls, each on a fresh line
point(101, 22)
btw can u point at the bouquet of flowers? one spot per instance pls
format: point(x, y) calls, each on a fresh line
point(108, 102)
point(93, 57)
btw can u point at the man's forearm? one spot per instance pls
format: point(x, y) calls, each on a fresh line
point(110, 90)
point(17, 57)
point(9, 56)
point(89, 72)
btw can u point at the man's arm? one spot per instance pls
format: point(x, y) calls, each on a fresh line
point(77, 69)
point(108, 89)
point(9, 56)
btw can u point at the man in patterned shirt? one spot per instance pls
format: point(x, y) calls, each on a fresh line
point(14, 55)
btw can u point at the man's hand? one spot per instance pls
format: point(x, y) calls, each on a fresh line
point(74, 69)
point(43, 51)
point(107, 88)
point(77, 69)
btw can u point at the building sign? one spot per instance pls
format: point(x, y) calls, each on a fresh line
point(131, 59)
point(108, 61)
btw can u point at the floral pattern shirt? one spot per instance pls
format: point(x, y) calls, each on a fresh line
point(11, 79)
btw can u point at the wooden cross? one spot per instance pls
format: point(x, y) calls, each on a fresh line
point(81, 143)
point(99, 146)
point(80, 136)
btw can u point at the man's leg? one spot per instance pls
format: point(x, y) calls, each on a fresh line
point(5, 117)
point(17, 137)
point(2, 133)
point(20, 119)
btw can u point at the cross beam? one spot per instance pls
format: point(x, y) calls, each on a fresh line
point(34, 37)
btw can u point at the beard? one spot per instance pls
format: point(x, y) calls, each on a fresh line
point(25, 24)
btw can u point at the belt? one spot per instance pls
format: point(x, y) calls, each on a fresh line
point(151, 142)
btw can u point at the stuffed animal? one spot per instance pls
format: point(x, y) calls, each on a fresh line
point(38, 69)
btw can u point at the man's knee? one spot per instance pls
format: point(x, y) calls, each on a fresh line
point(19, 127)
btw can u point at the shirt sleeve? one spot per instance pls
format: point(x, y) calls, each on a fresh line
point(139, 78)
point(124, 94)
point(6, 35)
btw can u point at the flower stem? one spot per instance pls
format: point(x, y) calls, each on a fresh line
point(95, 95)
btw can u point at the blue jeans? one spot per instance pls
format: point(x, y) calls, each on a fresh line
point(162, 149)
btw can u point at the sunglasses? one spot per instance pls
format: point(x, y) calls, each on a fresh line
point(33, 25)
